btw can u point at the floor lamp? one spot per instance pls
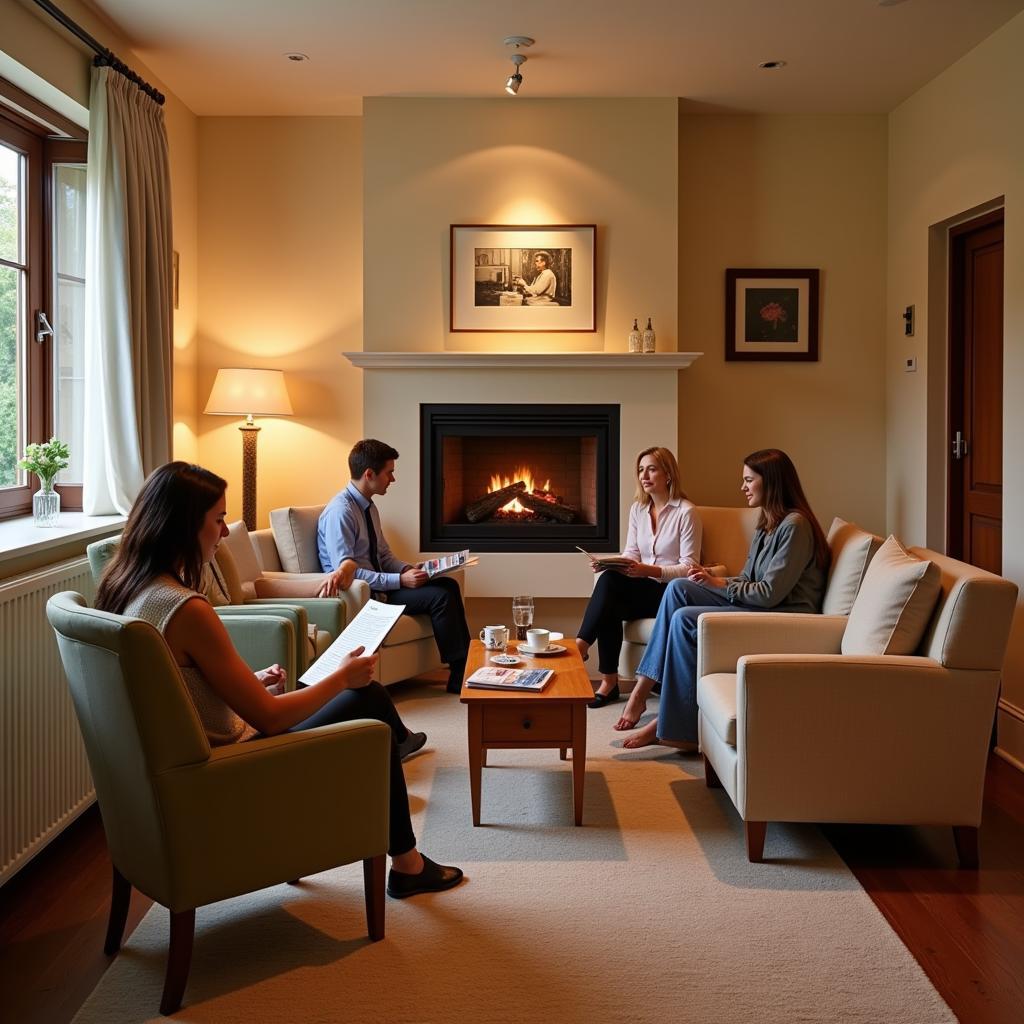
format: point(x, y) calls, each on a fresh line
point(248, 393)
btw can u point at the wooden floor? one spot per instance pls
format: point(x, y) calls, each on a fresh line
point(965, 928)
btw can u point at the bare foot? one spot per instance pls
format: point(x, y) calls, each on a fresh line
point(646, 737)
point(632, 713)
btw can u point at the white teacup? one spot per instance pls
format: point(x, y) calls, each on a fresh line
point(494, 638)
point(538, 639)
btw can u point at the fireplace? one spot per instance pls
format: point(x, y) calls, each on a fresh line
point(519, 477)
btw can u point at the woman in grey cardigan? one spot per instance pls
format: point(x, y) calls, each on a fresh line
point(785, 571)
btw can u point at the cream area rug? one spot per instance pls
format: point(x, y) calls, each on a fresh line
point(649, 912)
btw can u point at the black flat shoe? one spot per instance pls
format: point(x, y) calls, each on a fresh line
point(433, 878)
point(413, 741)
point(601, 699)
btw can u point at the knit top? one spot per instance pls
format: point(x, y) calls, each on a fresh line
point(157, 604)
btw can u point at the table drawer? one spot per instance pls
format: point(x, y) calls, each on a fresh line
point(538, 724)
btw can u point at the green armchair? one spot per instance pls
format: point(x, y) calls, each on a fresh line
point(165, 794)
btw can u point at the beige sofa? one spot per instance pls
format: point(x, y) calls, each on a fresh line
point(726, 541)
point(795, 730)
point(290, 546)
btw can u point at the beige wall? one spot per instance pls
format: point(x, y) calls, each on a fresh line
point(433, 163)
point(279, 260)
point(785, 191)
point(954, 146)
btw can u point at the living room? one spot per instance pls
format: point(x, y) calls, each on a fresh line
point(312, 225)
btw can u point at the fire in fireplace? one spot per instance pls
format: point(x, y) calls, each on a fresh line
point(519, 477)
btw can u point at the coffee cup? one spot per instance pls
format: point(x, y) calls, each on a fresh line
point(494, 638)
point(537, 639)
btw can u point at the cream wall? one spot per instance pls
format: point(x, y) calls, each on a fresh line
point(280, 209)
point(433, 163)
point(786, 191)
point(954, 146)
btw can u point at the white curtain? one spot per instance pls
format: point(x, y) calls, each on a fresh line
point(128, 314)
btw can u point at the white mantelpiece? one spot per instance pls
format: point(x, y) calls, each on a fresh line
point(521, 360)
point(645, 387)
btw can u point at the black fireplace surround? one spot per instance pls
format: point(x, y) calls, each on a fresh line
point(575, 447)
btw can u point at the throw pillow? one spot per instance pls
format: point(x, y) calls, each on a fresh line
point(295, 536)
point(243, 553)
point(852, 550)
point(894, 604)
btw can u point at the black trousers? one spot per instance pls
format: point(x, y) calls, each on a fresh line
point(441, 599)
point(615, 598)
point(375, 702)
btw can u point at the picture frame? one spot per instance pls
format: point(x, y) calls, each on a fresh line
point(507, 278)
point(771, 315)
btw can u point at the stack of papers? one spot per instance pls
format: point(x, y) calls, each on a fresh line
point(533, 679)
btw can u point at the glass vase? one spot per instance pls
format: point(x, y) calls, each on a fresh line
point(45, 505)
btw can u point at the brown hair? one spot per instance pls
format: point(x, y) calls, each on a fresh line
point(162, 533)
point(783, 494)
point(666, 462)
point(369, 454)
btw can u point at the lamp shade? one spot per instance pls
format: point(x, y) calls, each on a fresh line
point(245, 392)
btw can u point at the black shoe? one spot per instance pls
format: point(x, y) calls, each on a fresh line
point(413, 741)
point(433, 878)
point(601, 699)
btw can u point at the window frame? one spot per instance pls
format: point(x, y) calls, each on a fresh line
point(45, 138)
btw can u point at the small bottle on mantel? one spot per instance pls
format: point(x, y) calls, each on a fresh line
point(648, 341)
point(635, 343)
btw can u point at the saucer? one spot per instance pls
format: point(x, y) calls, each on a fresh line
point(506, 659)
point(551, 649)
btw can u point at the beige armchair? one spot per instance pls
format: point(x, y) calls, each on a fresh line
point(290, 547)
point(188, 825)
point(794, 730)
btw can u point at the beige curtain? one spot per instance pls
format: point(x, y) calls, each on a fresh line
point(128, 313)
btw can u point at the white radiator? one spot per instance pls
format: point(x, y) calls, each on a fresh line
point(45, 781)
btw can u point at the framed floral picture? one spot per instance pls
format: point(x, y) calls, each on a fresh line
point(771, 315)
point(522, 277)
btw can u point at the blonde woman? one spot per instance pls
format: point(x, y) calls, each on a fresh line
point(662, 544)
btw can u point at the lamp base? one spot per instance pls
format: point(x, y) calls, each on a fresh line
point(249, 437)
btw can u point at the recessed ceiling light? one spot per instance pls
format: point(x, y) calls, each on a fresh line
point(890, 3)
point(297, 57)
point(772, 65)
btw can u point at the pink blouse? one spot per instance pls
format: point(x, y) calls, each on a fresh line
point(676, 541)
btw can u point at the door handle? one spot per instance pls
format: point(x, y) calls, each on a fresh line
point(959, 445)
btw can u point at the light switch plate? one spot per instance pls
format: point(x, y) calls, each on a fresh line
point(910, 364)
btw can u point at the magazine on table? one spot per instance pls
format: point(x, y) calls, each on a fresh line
point(607, 561)
point(368, 629)
point(448, 563)
point(532, 679)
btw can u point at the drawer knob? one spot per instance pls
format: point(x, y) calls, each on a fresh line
point(527, 723)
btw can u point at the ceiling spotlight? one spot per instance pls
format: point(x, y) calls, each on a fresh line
point(772, 65)
point(518, 60)
point(297, 57)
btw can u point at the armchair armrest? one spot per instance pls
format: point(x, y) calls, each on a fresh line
point(299, 803)
point(328, 613)
point(724, 637)
point(861, 738)
point(296, 615)
point(262, 640)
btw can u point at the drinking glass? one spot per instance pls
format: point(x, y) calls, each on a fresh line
point(522, 614)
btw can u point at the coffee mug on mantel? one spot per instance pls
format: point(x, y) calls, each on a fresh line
point(494, 638)
point(538, 639)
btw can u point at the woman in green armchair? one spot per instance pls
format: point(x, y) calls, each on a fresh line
point(173, 530)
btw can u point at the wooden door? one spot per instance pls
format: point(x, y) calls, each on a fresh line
point(976, 392)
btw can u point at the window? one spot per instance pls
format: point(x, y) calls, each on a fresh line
point(42, 279)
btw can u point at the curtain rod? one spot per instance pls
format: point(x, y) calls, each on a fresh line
point(104, 57)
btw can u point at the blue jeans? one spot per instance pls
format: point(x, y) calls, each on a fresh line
point(671, 656)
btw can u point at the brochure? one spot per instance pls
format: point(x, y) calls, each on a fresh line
point(607, 561)
point(448, 563)
point(532, 679)
point(371, 625)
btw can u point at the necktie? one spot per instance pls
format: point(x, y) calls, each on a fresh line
point(371, 535)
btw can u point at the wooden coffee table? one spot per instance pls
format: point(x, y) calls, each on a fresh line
point(555, 718)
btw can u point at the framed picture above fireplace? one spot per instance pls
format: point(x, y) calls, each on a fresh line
point(509, 278)
point(771, 315)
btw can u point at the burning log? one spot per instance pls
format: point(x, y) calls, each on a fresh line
point(552, 509)
point(485, 507)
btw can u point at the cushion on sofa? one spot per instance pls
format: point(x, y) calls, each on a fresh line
point(295, 535)
point(410, 627)
point(852, 550)
point(894, 604)
point(242, 553)
point(716, 698)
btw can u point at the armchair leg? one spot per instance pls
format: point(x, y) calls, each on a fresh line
point(755, 831)
point(711, 778)
point(373, 889)
point(966, 839)
point(120, 898)
point(179, 959)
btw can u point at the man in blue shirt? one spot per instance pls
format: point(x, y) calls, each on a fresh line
point(350, 527)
